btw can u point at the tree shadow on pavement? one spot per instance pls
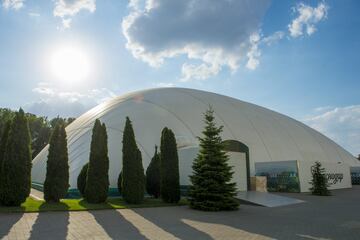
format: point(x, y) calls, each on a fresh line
point(170, 220)
point(51, 225)
point(115, 225)
point(7, 221)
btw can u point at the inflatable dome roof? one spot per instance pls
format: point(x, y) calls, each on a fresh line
point(270, 136)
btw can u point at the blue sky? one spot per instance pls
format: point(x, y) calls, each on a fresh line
point(299, 58)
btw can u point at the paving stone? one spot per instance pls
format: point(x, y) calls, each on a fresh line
point(318, 218)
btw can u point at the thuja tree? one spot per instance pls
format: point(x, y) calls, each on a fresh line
point(319, 181)
point(3, 141)
point(119, 183)
point(133, 178)
point(57, 170)
point(169, 167)
point(211, 187)
point(153, 176)
point(16, 171)
point(81, 180)
point(97, 181)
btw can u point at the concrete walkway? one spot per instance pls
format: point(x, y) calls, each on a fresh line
point(36, 194)
point(266, 199)
point(318, 218)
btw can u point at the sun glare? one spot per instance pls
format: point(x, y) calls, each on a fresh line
point(70, 64)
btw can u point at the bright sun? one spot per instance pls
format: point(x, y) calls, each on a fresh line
point(70, 64)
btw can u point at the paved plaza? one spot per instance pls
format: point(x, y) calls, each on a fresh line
point(335, 217)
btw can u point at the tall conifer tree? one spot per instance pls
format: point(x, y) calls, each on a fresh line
point(3, 142)
point(16, 171)
point(81, 180)
point(153, 176)
point(212, 189)
point(133, 178)
point(120, 183)
point(56, 183)
point(169, 162)
point(97, 181)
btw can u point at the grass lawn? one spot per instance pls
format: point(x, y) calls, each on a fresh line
point(32, 205)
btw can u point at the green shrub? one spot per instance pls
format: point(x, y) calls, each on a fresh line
point(97, 181)
point(16, 171)
point(153, 175)
point(169, 168)
point(57, 170)
point(133, 178)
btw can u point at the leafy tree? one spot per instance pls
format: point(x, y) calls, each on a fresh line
point(70, 120)
point(41, 140)
point(40, 128)
point(16, 171)
point(57, 170)
point(119, 183)
point(59, 120)
point(40, 132)
point(212, 189)
point(169, 167)
point(319, 181)
point(81, 180)
point(97, 181)
point(55, 121)
point(35, 124)
point(153, 175)
point(133, 178)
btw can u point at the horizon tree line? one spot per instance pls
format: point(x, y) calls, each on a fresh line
point(40, 128)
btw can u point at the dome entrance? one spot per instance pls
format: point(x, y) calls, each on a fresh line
point(239, 159)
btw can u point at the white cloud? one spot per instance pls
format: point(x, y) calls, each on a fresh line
point(323, 109)
point(53, 102)
point(273, 38)
point(65, 9)
point(199, 72)
point(34, 14)
point(342, 124)
point(66, 22)
point(218, 33)
point(164, 85)
point(13, 4)
point(254, 52)
point(307, 18)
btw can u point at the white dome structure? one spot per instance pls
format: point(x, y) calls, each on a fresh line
point(269, 136)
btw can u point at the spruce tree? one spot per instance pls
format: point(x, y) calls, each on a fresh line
point(133, 178)
point(169, 168)
point(16, 171)
point(212, 189)
point(97, 181)
point(319, 181)
point(56, 183)
point(81, 180)
point(153, 176)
